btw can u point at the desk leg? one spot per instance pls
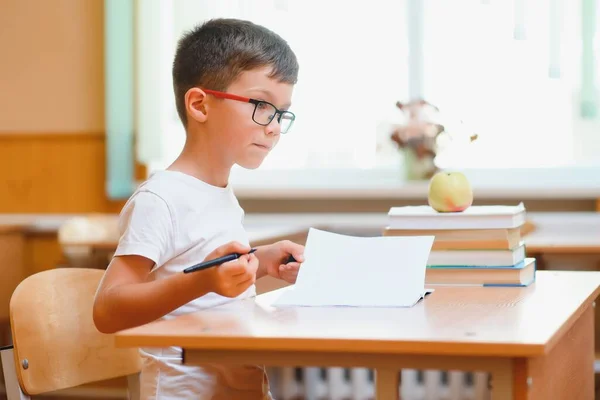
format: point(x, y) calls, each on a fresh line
point(567, 371)
point(387, 383)
point(502, 382)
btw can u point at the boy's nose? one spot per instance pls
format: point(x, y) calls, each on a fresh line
point(273, 128)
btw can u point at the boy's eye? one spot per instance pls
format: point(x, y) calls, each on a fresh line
point(262, 105)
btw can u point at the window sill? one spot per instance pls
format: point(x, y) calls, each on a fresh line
point(522, 183)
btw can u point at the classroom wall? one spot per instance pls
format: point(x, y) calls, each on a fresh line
point(52, 66)
point(52, 136)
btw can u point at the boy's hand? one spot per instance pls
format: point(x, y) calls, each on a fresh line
point(274, 260)
point(232, 278)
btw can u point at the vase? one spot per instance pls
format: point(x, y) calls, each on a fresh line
point(417, 168)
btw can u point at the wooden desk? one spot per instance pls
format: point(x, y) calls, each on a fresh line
point(567, 241)
point(572, 233)
point(536, 342)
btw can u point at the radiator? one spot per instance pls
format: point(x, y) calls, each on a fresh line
point(358, 384)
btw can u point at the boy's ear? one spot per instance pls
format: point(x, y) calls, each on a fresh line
point(196, 105)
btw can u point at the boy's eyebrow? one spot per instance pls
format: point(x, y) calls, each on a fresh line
point(268, 93)
point(265, 91)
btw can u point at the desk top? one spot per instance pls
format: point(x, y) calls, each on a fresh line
point(451, 321)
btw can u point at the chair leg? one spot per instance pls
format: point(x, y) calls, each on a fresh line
point(133, 386)
point(13, 390)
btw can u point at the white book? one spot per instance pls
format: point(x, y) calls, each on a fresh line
point(341, 270)
point(477, 258)
point(474, 217)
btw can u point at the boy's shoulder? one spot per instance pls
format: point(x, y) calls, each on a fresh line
point(158, 183)
point(177, 189)
point(165, 185)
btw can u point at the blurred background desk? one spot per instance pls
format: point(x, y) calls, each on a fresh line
point(35, 242)
point(53, 240)
point(567, 234)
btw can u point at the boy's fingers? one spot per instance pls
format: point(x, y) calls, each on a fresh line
point(294, 249)
point(249, 280)
point(298, 255)
point(231, 247)
point(289, 276)
point(235, 267)
point(289, 266)
point(289, 272)
point(252, 263)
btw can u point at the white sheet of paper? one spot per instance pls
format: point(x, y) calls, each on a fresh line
point(340, 270)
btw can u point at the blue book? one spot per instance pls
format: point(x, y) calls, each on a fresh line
point(521, 274)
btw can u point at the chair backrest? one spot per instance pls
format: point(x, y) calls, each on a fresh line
point(56, 344)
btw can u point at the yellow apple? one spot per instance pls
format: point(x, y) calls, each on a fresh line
point(450, 192)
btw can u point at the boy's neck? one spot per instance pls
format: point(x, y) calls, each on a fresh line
point(197, 159)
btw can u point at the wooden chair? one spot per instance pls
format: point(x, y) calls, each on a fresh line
point(55, 343)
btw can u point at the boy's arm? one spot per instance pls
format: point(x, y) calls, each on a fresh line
point(125, 298)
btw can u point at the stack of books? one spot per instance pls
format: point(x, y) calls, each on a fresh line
point(482, 245)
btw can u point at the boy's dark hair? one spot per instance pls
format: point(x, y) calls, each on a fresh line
point(213, 54)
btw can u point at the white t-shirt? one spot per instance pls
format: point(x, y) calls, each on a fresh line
point(176, 220)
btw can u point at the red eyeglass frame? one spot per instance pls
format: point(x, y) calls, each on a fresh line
point(231, 96)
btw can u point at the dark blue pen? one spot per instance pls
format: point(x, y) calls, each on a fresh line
point(215, 262)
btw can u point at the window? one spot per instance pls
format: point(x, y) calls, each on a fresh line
point(511, 70)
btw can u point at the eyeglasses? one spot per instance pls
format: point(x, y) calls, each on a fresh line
point(264, 112)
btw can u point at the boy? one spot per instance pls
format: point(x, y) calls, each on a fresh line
point(233, 82)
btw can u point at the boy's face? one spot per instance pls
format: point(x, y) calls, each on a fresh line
point(243, 141)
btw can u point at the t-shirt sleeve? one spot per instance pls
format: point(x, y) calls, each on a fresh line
point(146, 228)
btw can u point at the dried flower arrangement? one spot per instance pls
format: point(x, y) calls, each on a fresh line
point(422, 137)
